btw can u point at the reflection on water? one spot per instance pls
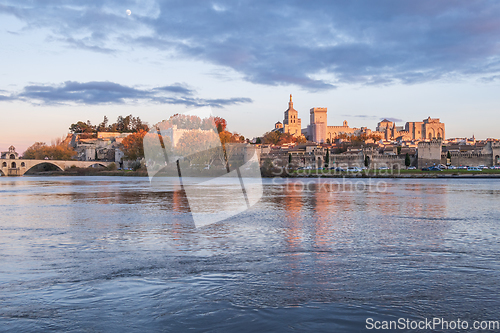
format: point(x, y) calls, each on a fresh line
point(115, 254)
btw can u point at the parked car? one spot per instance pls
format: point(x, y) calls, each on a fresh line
point(462, 167)
point(353, 169)
point(412, 168)
point(474, 169)
point(339, 169)
point(432, 168)
point(383, 168)
point(495, 167)
point(452, 167)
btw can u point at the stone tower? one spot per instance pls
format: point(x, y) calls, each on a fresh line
point(291, 121)
point(317, 118)
point(429, 153)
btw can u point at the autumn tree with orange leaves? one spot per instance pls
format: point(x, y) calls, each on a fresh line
point(58, 150)
point(133, 145)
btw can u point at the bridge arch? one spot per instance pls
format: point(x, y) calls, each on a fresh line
point(97, 164)
point(44, 162)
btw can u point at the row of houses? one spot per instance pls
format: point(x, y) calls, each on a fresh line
point(393, 156)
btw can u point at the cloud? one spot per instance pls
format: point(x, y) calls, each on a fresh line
point(394, 120)
point(104, 92)
point(489, 79)
point(81, 44)
point(317, 46)
point(177, 88)
point(358, 115)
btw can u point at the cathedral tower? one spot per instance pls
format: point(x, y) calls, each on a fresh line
point(291, 121)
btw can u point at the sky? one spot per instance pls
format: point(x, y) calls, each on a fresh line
point(62, 61)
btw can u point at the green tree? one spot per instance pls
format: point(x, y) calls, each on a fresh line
point(327, 158)
point(103, 127)
point(81, 127)
point(407, 160)
point(367, 161)
point(399, 150)
point(289, 158)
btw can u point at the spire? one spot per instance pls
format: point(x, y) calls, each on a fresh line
point(290, 104)
point(290, 97)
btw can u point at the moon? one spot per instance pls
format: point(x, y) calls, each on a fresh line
point(129, 12)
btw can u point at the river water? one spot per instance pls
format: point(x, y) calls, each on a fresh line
point(113, 254)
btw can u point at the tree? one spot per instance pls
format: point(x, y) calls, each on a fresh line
point(327, 158)
point(258, 141)
point(272, 137)
point(157, 153)
point(407, 160)
point(289, 158)
point(82, 127)
point(399, 150)
point(367, 161)
point(220, 124)
point(201, 148)
point(59, 150)
point(103, 126)
point(136, 124)
point(37, 151)
point(301, 139)
point(278, 138)
point(133, 147)
point(448, 155)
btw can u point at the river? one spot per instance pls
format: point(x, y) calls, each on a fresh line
point(114, 254)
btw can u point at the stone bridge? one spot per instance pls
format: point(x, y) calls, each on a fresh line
point(18, 167)
point(12, 165)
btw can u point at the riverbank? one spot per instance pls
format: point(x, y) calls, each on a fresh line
point(394, 174)
point(92, 172)
point(296, 173)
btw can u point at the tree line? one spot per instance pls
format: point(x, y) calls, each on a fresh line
point(128, 124)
